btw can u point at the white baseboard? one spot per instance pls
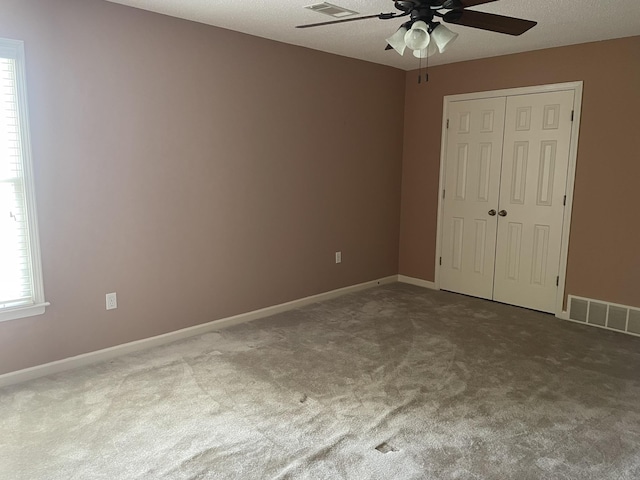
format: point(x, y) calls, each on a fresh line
point(417, 282)
point(119, 350)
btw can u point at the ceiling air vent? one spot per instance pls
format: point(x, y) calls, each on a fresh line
point(331, 10)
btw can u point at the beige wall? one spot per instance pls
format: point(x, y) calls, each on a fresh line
point(202, 173)
point(197, 172)
point(604, 249)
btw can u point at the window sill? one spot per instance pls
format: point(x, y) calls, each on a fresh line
point(22, 312)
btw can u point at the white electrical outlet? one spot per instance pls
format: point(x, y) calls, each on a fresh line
point(338, 257)
point(112, 301)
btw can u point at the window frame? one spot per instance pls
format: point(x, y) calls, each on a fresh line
point(14, 49)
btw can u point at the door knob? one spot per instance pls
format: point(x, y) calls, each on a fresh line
point(492, 212)
point(502, 213)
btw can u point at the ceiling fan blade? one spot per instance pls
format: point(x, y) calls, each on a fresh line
point(489, 21)
point(460, 4)
point(345, 20)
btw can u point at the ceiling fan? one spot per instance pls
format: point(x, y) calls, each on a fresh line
point(417, 33)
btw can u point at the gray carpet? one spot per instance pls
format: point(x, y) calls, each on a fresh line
point(395, 382)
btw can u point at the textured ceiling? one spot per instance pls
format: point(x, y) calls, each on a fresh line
point(560, 22)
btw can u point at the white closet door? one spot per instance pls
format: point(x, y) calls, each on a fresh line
point(472, 177)
point(532, 188)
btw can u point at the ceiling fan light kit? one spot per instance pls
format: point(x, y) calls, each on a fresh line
point(418, 39)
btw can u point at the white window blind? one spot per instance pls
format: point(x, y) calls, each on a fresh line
point(21, 292)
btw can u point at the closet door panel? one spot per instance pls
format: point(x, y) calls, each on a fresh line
point(472, 179)
point(537, 136)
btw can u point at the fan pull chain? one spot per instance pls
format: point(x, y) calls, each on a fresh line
point(426, 71)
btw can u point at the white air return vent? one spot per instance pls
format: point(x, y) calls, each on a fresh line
point(620, 318)
point(331, 10)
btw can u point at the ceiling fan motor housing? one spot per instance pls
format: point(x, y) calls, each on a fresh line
point(417, 9)
point(422, 13)
point(405, 5)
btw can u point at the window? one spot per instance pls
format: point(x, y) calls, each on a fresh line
point(21, 289)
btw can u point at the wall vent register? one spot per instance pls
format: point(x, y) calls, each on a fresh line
point(612, 316)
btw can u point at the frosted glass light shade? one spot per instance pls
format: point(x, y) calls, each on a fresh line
point(396, 41)
point(417, 37)
point(443, 37)
point(420, 25)
point(426, 52)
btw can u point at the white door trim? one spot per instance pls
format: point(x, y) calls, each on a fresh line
point(573, 153)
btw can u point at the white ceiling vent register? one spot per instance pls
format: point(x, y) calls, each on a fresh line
point(612, 316)
point(331, 10)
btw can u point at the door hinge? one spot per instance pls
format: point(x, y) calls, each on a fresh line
point(443, 190)
point(572, 112)
point(448, 122)
point(557, 281)
point(440, 260)
point(564, 201)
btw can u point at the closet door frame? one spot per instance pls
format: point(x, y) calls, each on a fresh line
point(573, 152)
